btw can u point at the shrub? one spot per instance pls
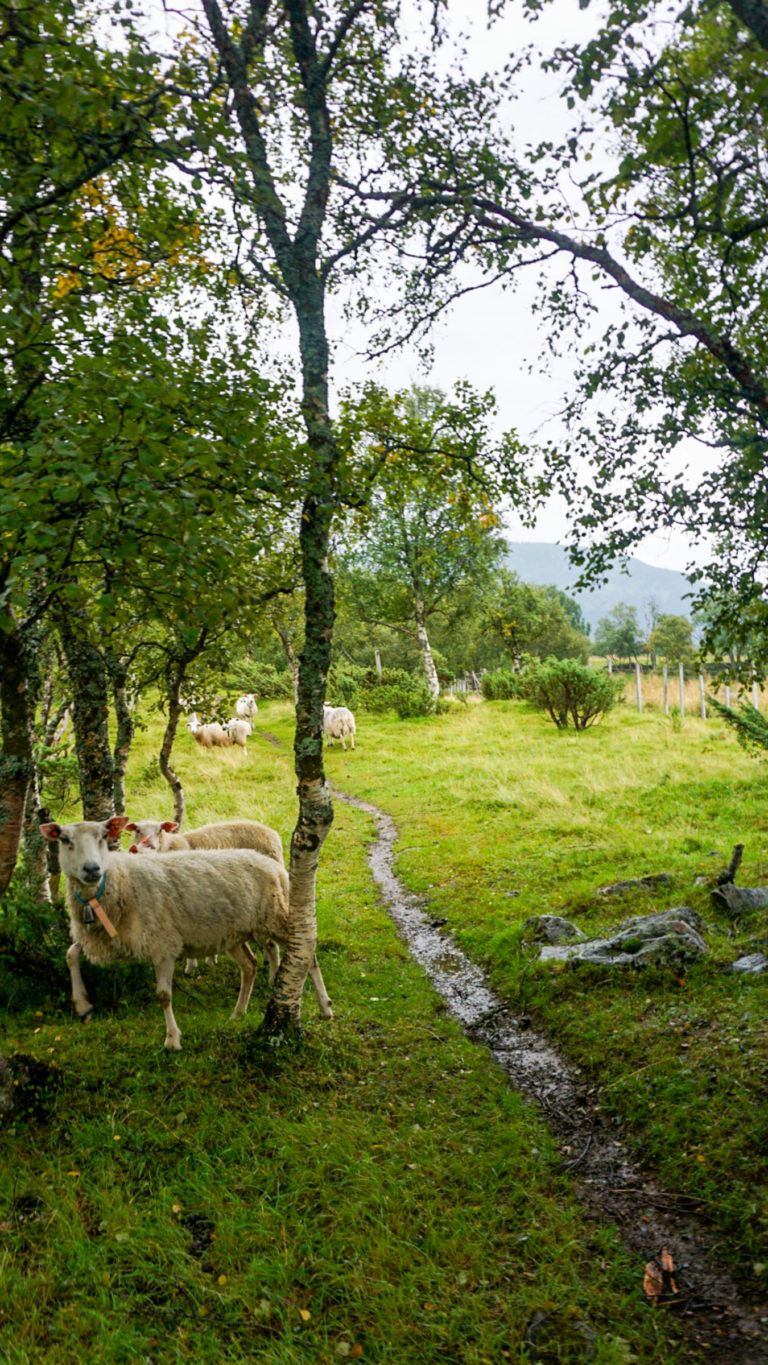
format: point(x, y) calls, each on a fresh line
point(262, 679)
point(570, 692)
point(500, 684)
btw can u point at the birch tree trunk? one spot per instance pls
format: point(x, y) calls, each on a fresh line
point(16, 755)
point(433, 683)
point(174, 681)
point(90, 716)
point(118, 677)
point(290, 653)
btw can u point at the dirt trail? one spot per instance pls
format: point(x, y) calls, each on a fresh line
point(724, 1324)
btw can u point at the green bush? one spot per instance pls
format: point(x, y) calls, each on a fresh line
point(500, 684)
point(262, 679)
point(570, 692)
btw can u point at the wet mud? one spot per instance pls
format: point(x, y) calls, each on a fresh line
point(719, 1318)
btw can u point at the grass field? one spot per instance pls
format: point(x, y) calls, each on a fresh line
point(381, 1194)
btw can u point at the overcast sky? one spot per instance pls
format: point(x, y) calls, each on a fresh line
point(492, 337)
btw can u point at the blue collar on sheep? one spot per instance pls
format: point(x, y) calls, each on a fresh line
point(92, 904)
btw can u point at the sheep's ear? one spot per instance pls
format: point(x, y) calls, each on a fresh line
point(115, 826)
point(170, 826)
point(131, 826)
point(50, 832)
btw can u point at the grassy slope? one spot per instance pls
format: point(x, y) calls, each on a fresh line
point(538, 823)
point(382, 1195)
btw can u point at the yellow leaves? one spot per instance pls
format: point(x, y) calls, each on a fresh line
point(305, 1314)
point(658, 1279)
point(66, 283)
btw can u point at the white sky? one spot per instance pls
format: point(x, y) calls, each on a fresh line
point(491, 337)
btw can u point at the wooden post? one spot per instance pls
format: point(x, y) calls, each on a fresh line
point(377, 657)
point(701, 695)
point(681, 671)
point(754, 696)
point(665, 671)
point(728, 694)
point(610, 665)
point(638, 677)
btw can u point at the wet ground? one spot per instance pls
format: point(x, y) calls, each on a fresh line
point(676, 1252)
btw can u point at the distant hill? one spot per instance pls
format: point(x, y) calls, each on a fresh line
point(537, 562)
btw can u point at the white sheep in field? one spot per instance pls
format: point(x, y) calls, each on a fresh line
point(159, 836)
point(209, 736)
point(246, 706)
point(338, 723)
point(238, 731)
point(159, 909)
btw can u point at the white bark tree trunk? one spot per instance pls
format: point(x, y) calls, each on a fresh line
point(433, 683)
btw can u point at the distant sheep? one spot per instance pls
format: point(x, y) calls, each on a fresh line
point(210, 736)
point(158, 909)
point(239, 730)
point(338, 723)
point(246, 706)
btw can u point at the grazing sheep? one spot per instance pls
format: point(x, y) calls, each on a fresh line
point(246, 706)
point(209, 736)
point(338, 723)
point(159, 909)
point(239, 731)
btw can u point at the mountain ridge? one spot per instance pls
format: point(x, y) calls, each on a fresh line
point(641, 586)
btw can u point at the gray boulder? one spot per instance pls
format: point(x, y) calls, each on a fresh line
point(753, 964)
point(552, 928)
point(671, 937)
point(656, 881)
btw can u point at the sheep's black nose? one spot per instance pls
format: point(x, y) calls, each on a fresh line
point(91, 872)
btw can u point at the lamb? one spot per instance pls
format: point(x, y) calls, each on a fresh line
point(238, 731)
point(158, 909)
point(246, 707)
point(338, 723)
point(209, 736)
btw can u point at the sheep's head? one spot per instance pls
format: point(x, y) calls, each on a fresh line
point(148, 834)
point(84, 850)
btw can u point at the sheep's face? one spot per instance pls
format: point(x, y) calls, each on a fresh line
point(84, 851)
point(148, 834)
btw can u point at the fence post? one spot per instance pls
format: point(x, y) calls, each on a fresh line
point(665, 671)
point(682, 689)
point(377, 657)
point(728, 695)
point(610, 665)
point(754, 695)
point(638, 677)
point(701, 695)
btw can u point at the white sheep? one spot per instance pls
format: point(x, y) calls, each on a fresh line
point(159, 909)
point(338, 723)
point(246, 706)
point(239, 730)
point(209, 736)
point(160, 836)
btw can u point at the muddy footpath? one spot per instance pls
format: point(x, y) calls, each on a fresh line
point(678, 1261)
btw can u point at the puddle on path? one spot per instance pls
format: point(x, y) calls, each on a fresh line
point(718, 1318)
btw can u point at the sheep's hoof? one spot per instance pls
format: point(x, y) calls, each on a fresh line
point(326, 1012)
point(87, 1017)
point(173, 1044)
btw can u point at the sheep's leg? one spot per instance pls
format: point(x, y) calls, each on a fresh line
point(272, 955)
point(79, 998)
point(352, 740)
point(190, 966)
point(247, 964)
point(323, 999)
point(343, 745)
point(164, 974)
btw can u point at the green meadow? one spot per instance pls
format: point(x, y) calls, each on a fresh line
point(380, 1193)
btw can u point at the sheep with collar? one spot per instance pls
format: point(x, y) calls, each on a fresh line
point(159, 909)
